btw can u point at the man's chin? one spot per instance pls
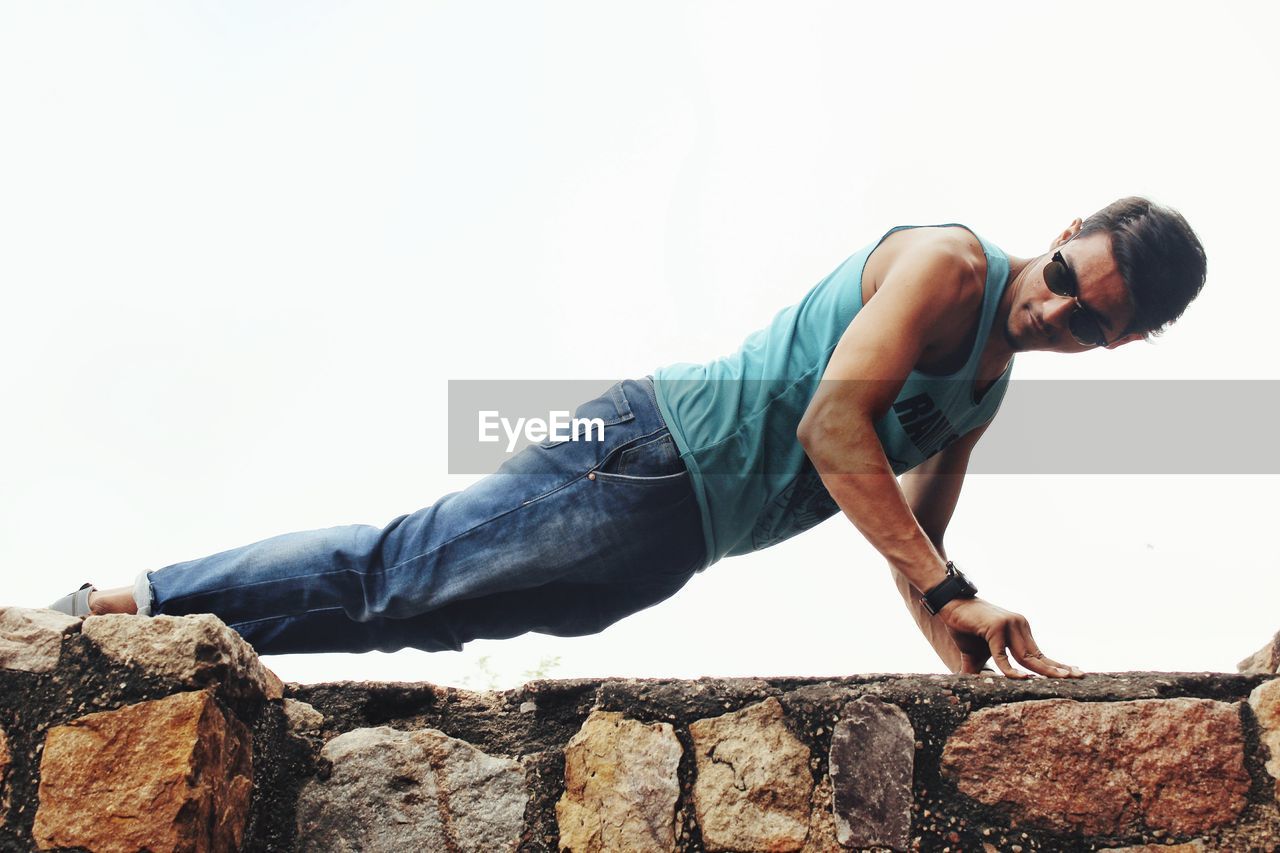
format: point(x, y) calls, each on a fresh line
point(1014, 343)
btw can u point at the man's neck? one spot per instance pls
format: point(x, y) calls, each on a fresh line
point(999, 349)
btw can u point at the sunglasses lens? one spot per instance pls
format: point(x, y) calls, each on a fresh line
point(1058, 279)
point(1085, 329)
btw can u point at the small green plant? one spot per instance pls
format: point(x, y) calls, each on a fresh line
point(485, 677)
point(543, 669)
point(488, 675)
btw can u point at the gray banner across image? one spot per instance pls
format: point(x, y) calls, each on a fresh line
point(1044, 427)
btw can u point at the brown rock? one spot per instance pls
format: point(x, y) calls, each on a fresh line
point(194, 651)
point(620, 786)
point(1264, 660)
point(393, 790)
point(169, 774)
point(822, 823)
point(872, 762)
point(753, 786)
point(31, 639)
point(1265, 702)
point(272, 686)
point(1104, 768)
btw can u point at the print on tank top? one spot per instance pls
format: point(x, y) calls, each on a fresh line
point(801, 505)
point(805, 501)
point(926, 426)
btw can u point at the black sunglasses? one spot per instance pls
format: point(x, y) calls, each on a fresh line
point(1083, 323)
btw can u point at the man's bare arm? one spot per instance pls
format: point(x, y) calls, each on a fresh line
point(919, 298)
point(923, 291)
point(932, 490)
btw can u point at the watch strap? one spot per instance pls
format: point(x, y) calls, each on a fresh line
point(954, 586)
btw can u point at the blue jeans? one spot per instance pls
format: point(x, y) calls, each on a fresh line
point(564, 538)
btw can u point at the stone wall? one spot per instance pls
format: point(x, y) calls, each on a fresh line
point(123, 733)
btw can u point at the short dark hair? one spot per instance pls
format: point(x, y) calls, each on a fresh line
point(1158, 256)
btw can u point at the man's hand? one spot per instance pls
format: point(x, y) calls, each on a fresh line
point(981, 631)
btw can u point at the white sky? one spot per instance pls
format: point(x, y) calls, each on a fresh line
point(243, 248)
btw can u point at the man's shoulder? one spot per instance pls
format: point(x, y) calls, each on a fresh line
point(950, 260)
point(951, 249)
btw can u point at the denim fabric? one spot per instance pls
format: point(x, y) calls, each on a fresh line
point(565, 538)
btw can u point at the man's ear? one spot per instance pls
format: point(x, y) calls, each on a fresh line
point(1072, 230)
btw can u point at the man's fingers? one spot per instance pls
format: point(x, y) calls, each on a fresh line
point(997, 643)
point(1029, 655)
point(983, 630)
point(1070, 670)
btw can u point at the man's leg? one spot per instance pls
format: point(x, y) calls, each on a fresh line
point(550, 515)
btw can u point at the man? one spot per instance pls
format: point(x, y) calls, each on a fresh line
point(893, 365)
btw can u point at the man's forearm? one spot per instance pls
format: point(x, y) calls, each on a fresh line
point(931, 626)
point(857, 475)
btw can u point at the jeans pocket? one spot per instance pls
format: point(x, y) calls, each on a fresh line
point(650, 459)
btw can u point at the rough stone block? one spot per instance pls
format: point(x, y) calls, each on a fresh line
point(753, 786)
point(393, 790)
point(620, 786)
point(31, 639)
point(822, 836)
point(1104, 768)
point(872, 762)
point(168, 774)
point(301, 718)
point(1265, 660)
point(194, 651)
point(1265, 702)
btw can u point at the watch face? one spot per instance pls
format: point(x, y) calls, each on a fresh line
point(954, 571)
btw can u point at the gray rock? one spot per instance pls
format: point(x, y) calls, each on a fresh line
point(31, 639)
point(753, 786)
point(620, 786)
point(195, 651)
point(392, 790)
point(872, 762)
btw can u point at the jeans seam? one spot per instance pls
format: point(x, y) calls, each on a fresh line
point(285, 616)
point(634, 480)
point(251, 584)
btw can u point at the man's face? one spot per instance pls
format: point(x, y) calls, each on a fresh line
point(1038, 317)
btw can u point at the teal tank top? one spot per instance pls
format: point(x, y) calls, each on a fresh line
point(734, 419)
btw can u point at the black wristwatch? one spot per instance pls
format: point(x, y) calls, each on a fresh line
point(956, 585)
